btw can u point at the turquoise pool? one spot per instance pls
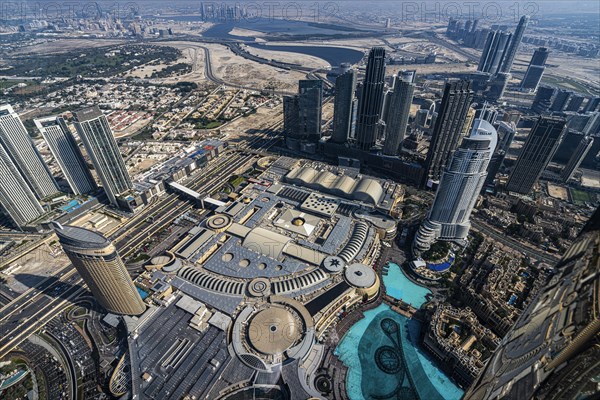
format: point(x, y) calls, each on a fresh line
point(382, 354)
point(400, 287)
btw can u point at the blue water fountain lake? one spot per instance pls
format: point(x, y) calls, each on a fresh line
point(383, 356)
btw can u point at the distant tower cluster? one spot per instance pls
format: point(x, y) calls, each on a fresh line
point(511, 52)
point(538, 150)
point(371, 100)
point(101, 146)
point(461, 183)
point(101, 268)
point(494, 51)
point(456, 101)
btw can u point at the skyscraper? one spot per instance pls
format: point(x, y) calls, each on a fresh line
point(291, 115)
point(511, 53)
point(310, 102)
point(552, 351)
point(540, 56)
point(561, 99)
point(371, 99)
point(64, 148)
point(576, 159)
point(345, 86)
point(449, 123)
point(17, 200)
point(592, 104)
point(101, 268)
point(302, 113)
point(497, 86)
point(495, 49)
point(540, 146)
point(399, 111)
point(533, 77)
point(461, 183)
point(543, 99)
point(101, 146)
point(535, 70)
point(18, 145)
point(506, 133)
point(575, 103)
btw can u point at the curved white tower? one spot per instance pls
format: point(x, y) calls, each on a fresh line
point(460, 185)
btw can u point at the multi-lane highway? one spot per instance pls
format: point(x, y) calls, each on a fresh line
point(33, 309)
point(529, 251)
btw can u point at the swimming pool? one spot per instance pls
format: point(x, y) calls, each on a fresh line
point(400, 287)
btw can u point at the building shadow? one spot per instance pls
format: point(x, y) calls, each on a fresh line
point(53, 287)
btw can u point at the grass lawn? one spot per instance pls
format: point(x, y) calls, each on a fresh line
point(6, 83)
point(579, 196)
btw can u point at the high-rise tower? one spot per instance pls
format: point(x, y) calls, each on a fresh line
point(538, 150)
point(345, 86)
point(461, 183)
point(575, 103)
point(576, 159)
point(17, 200)
point(101, 146)
point(494, 51)
point(592, 104)
point(561, 99)
point(449, 123)
point(19, 146)
point(97, 261)
point(535, 70)
point(64, 148)
point(302, 113)
point(399, 111)
point(310, 103)
point(371, 99)
point(543, 99)
point(533, 77)
point(540, 56)
point(511, 52)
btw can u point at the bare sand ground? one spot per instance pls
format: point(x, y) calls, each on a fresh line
point(244, 127)
point(246, 32)
point(294, 58)
point(238, 70)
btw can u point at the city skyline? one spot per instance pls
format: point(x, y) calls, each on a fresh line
point(203, 201)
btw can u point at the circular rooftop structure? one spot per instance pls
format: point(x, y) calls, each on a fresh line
point(360, 275)
point(218, 222)
point(265, 334)
point(167, 263)
point(274, 330)
point(333, 264)
point(259, 287)
point(160, 260)
point(265, 162)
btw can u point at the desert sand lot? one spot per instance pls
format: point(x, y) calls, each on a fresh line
point(243, 128)
point(294, 58)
